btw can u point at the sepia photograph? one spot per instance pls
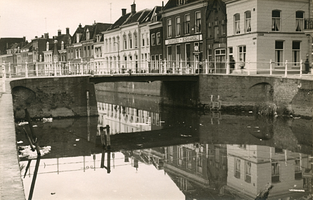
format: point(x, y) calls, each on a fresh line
point(156, 100)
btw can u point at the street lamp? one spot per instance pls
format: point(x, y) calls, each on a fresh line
point(197, 50)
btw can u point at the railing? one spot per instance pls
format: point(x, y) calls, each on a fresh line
point(308, 24)
point(153, 67)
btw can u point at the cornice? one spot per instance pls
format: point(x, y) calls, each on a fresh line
point(183, 8)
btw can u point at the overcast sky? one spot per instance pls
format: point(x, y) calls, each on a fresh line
point(32, 18)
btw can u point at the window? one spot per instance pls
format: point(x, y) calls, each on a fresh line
point(237, 23)
point(209, 31)
point(135, 40)
point(158, 38)
point(152, 39)
point(216, 32)
point(299, 20)
point(295, 53)
point(223, 27)
point(187, 24)
point(248, 21)
point(276, 20)
point(242, 53)
point(237, 168)
point(169, 28)
point(178, 54)
point(298, 171)
point(180, 2)
point(198, 22)
point(169, 53)
point(248, 171)
point(143, 40)
point(130, 41)
point(279, 48)
point(178, 26)
point(147, 38)
point(125, 42)
point(152, 62)
point(87, 34)
point(188, 50)
point(275, 172)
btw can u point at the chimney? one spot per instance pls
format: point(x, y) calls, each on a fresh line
point(46, 35)
point(123, 11)
point(80, 25)
point(133, 8)
point(59, 32)
point(67, 31)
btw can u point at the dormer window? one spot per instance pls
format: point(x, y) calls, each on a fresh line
point(98, 38)
point(77, 37)
point(47, 47)
point(87, 35)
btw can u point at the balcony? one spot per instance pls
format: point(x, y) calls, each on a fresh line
point(308, 24)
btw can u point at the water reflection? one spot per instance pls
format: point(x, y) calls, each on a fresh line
point(167, 153)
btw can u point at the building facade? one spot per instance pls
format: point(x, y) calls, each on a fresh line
point(184, 30)
point(264, 32)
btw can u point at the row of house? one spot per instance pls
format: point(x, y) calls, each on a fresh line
point(180, 36)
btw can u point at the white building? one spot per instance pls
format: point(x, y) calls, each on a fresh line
point(260, 31)
point(123, 49)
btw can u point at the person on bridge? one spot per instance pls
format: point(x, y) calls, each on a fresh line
point(306, 66)
point(231, 64)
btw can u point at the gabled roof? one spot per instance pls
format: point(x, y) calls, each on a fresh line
point(130, 18)
point(28, 46)
point(174, 3)
point(154, 12)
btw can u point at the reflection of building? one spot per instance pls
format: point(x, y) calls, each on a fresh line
point(252, 167)
point(123, 119)
point(197, 169)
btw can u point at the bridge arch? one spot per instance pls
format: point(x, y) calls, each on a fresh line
point(261, 92)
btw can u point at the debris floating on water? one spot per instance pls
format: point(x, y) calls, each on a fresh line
point(44, 120)
point(26, 151)
point(22, 123)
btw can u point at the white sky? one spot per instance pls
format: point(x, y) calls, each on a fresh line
point(32, 18)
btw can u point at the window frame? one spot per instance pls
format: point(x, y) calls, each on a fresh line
point(299, 21)
point(247, 22)
point(197, 22)
point(276, 21)
point(187, 24)
point(279, 53)
point(177, 26)
point(169, 28)
point(236, 23)
point(296, 49)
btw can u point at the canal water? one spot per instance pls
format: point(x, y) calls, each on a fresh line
point(137, 149)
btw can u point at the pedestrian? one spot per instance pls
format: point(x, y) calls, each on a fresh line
point(306, 66)
point(241, 65)
point(231, 64)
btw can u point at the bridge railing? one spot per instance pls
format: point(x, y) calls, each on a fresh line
point(154, 67)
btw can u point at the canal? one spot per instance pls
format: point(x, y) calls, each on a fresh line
point(155, 152)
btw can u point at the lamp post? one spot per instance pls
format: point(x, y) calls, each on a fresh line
point(198, 50)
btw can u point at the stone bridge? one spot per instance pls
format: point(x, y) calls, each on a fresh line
point(69, 96)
